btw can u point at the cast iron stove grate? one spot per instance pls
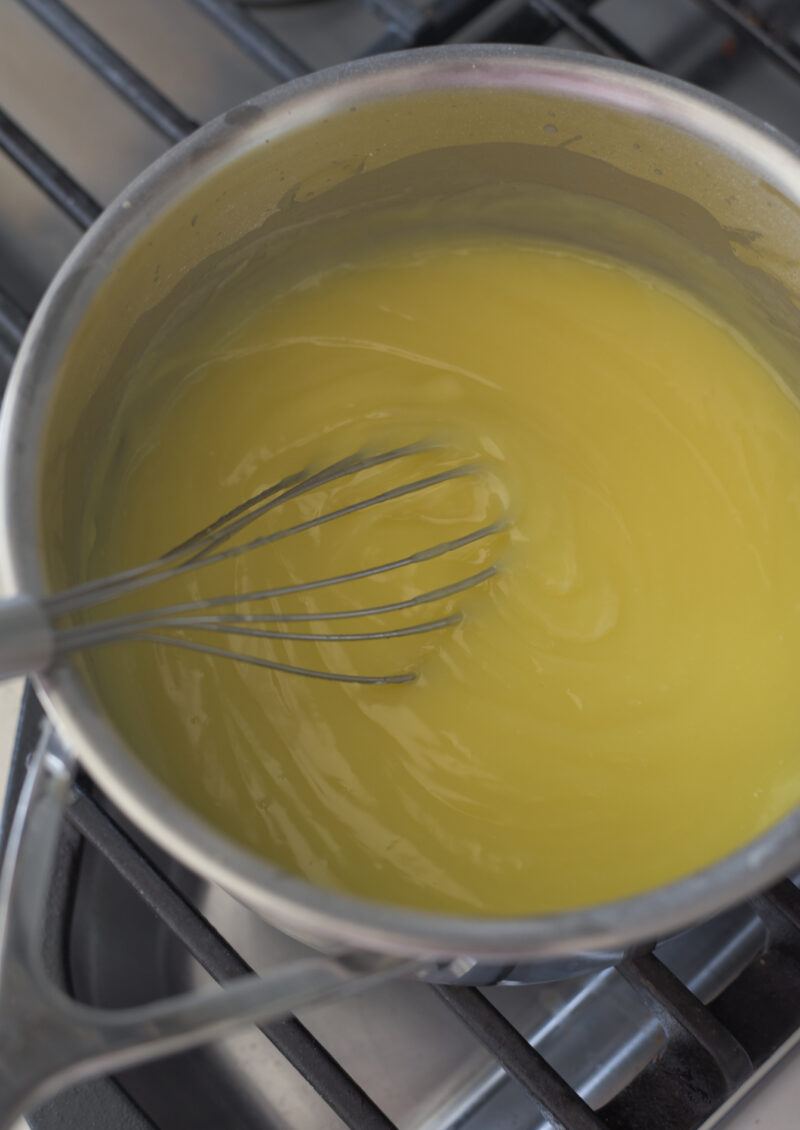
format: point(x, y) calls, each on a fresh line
point(710, 1049)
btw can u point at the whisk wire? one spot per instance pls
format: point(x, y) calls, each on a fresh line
point(226, 527)
point(119, 584)
point(286, 668)
point(203, 549)
point(139, 618)
point(122, 627)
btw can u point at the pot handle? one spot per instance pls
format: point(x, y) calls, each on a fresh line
point(49, 1041)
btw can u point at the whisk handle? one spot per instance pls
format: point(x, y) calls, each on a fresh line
point(27, 639)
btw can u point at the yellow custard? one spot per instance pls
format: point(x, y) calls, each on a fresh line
point(618, 706)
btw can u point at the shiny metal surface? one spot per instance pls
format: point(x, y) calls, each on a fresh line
point(716, 176)
point(769, 1099)
point(399, 1040)
point(49, 1041)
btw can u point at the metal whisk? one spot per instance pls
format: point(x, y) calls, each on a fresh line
point(31, 641)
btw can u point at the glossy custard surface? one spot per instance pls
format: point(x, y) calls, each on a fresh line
point(618, 706)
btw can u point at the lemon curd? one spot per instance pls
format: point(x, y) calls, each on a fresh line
point(617, 706)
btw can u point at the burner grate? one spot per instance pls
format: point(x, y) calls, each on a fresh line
point(51, 178)
point(123, 79)
point(253, 38)
point(589, 31)
point(13, 321)
point(406, 25)
point(766, 32)
point(221, 961)
point(711, 1049)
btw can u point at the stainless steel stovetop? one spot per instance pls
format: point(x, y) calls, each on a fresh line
point(606, 1033)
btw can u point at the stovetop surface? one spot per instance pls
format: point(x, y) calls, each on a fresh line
point(609, 1033)
point(401, 1041)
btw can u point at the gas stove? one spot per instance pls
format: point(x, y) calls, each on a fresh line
point(699, 1032)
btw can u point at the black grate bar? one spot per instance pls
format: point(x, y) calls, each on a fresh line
point(779, 908)
point(149, 102)
point(391, 40)
point(47, 174)
point(7, 355)
point(402, 18)
point(590, 30)
point(746, 21)
point(448, 15)
point(253, 38)
point(25, 740)
point(409, 24)
point(314, 1062)
point(675, 1004)
point(565, 1109)
point(13, 321)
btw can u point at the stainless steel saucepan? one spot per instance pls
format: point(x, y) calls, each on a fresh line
point(607, 154)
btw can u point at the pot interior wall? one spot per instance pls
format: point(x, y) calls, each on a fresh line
point(536, 160)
